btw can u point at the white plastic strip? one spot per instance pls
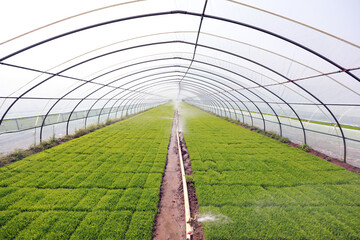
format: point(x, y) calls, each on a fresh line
point(188, 227)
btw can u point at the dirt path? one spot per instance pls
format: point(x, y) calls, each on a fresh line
point(170, 221)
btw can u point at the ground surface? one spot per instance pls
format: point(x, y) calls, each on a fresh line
point(104, 185)
point(255, 187)
point(170, 221)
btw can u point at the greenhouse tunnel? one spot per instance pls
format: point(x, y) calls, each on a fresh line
point(276, 65)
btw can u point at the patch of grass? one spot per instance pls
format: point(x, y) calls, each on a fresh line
point(284, 140)
point(305, 147)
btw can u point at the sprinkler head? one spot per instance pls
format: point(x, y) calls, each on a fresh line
point(192, 221)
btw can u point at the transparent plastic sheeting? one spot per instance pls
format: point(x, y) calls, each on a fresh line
point(291, 67)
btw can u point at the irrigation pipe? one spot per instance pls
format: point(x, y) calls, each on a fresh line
point(188, 227)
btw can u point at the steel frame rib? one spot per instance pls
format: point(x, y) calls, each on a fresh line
point(208, 93)
point(202, 15)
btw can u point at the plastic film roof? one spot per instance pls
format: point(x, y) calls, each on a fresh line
point(292, 67)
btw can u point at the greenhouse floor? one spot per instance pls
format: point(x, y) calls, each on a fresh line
point(106, 185)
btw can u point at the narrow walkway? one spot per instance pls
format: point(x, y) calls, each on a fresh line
point(170, 222)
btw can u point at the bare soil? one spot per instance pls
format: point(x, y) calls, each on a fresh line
point(194, 206)
point(170, 221)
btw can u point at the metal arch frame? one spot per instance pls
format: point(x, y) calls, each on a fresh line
point(169, 59)
point(141, 107)
point(133, 47)
point(222, 69)
point(147, 61)
point(238, 107)
point(207, 16)
point(217, 100)
point(221, 100)
point(149, 82)
point(221, 84)
point(121, 86)
point(193, 90)
point(135, 102)
point(246, 97)
point(185, 13)
point(69, 118)
point(209, 100)
point(177, 71)
point(118, 79)
point(180, 76)
point(111, 99)
point(268, 90)
point(199, 98)
point(210, 64)
point(343, 136)
point(153, 61)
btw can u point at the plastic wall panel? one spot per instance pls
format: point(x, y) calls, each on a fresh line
point(75, 125)
point(353, 152)
point(330, 145)
point(347, 115)
point(333, 90)
point(258, 122)
point(29, 108)
point(294, 134)
point(272, 126)
point(19, 140)
point(91, 120)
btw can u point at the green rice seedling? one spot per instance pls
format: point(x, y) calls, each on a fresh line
point(68, 180)
point(52, 196)
point(153, 180)
point(116, 225)
point(90, 200)
point(138, 180)
point(6, 216)
point(37, 228)
point(13, 196)
point(109, 200)
point(148, 200)
point(122, 181)
point(129, 199)
point(141, 225)
point(91, 226)
point(19, 222)
point(70, 200)
point(29, 199)
point(65, 225)
point(145, 167)
point(158, 166)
